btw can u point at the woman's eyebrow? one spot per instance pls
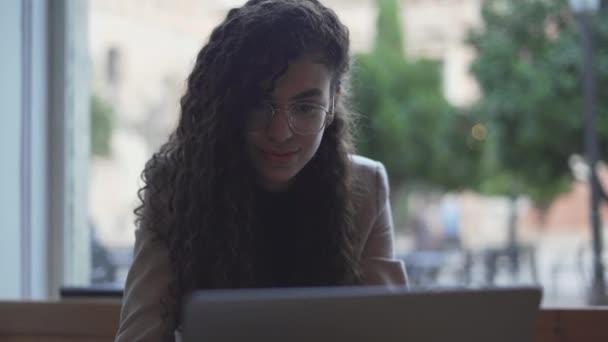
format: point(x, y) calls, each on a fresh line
point(313, 92)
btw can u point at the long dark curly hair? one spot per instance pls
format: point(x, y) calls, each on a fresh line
point(199, 194)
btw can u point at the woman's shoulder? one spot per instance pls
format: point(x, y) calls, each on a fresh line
point(368, 174)
point(369, 184)
point(361, 162)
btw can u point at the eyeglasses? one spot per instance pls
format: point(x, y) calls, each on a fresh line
point(305, 118)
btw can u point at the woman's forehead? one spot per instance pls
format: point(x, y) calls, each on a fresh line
point(305, 75)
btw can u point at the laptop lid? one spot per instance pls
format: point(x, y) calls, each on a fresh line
point(362, 314)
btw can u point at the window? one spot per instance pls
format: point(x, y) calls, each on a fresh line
point(456, 225)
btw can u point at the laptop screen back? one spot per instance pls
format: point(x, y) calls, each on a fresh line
point(361, 314)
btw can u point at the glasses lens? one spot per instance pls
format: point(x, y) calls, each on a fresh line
point(259, 117)
point(307, 118)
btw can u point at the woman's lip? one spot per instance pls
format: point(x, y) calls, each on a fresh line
point(279, 154)
point(278, 158)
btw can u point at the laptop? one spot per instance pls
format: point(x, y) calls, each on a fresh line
point(361, 314)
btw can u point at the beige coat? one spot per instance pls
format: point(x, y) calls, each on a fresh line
point(149, 276)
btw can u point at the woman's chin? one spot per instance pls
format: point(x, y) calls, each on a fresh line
point(276, 179)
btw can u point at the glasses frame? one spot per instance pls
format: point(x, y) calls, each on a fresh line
point(329, 116)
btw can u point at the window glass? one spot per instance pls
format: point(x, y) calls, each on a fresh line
point(478, 119)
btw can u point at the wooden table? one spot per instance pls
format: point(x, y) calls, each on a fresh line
point(573, 325)
point(97, 321)
point(86, 321)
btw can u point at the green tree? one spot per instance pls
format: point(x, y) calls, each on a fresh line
point(101, 126)
point(528, 67)
point(405, 121)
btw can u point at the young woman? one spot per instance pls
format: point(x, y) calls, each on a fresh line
point(258, 186)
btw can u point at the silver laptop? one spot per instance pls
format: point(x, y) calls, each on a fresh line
point(362, 314)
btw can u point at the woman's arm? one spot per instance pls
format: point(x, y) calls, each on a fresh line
point(141, 317)
point(146, 310)
point(378, 259)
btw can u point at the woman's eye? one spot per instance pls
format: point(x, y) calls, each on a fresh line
point(304, 108)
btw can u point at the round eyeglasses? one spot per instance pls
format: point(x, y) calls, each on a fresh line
point(305, 118)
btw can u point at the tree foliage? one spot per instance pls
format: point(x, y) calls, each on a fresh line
point(405, 120)
point(528, 67)
point(101, 126)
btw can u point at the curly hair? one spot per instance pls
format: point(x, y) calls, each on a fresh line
point(199, 188)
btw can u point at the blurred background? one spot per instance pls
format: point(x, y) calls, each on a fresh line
point(488, 115)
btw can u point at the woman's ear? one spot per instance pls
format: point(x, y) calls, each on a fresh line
point(332, 110)
point(335, 98)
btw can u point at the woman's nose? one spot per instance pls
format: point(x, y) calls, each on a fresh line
point(279, 130)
